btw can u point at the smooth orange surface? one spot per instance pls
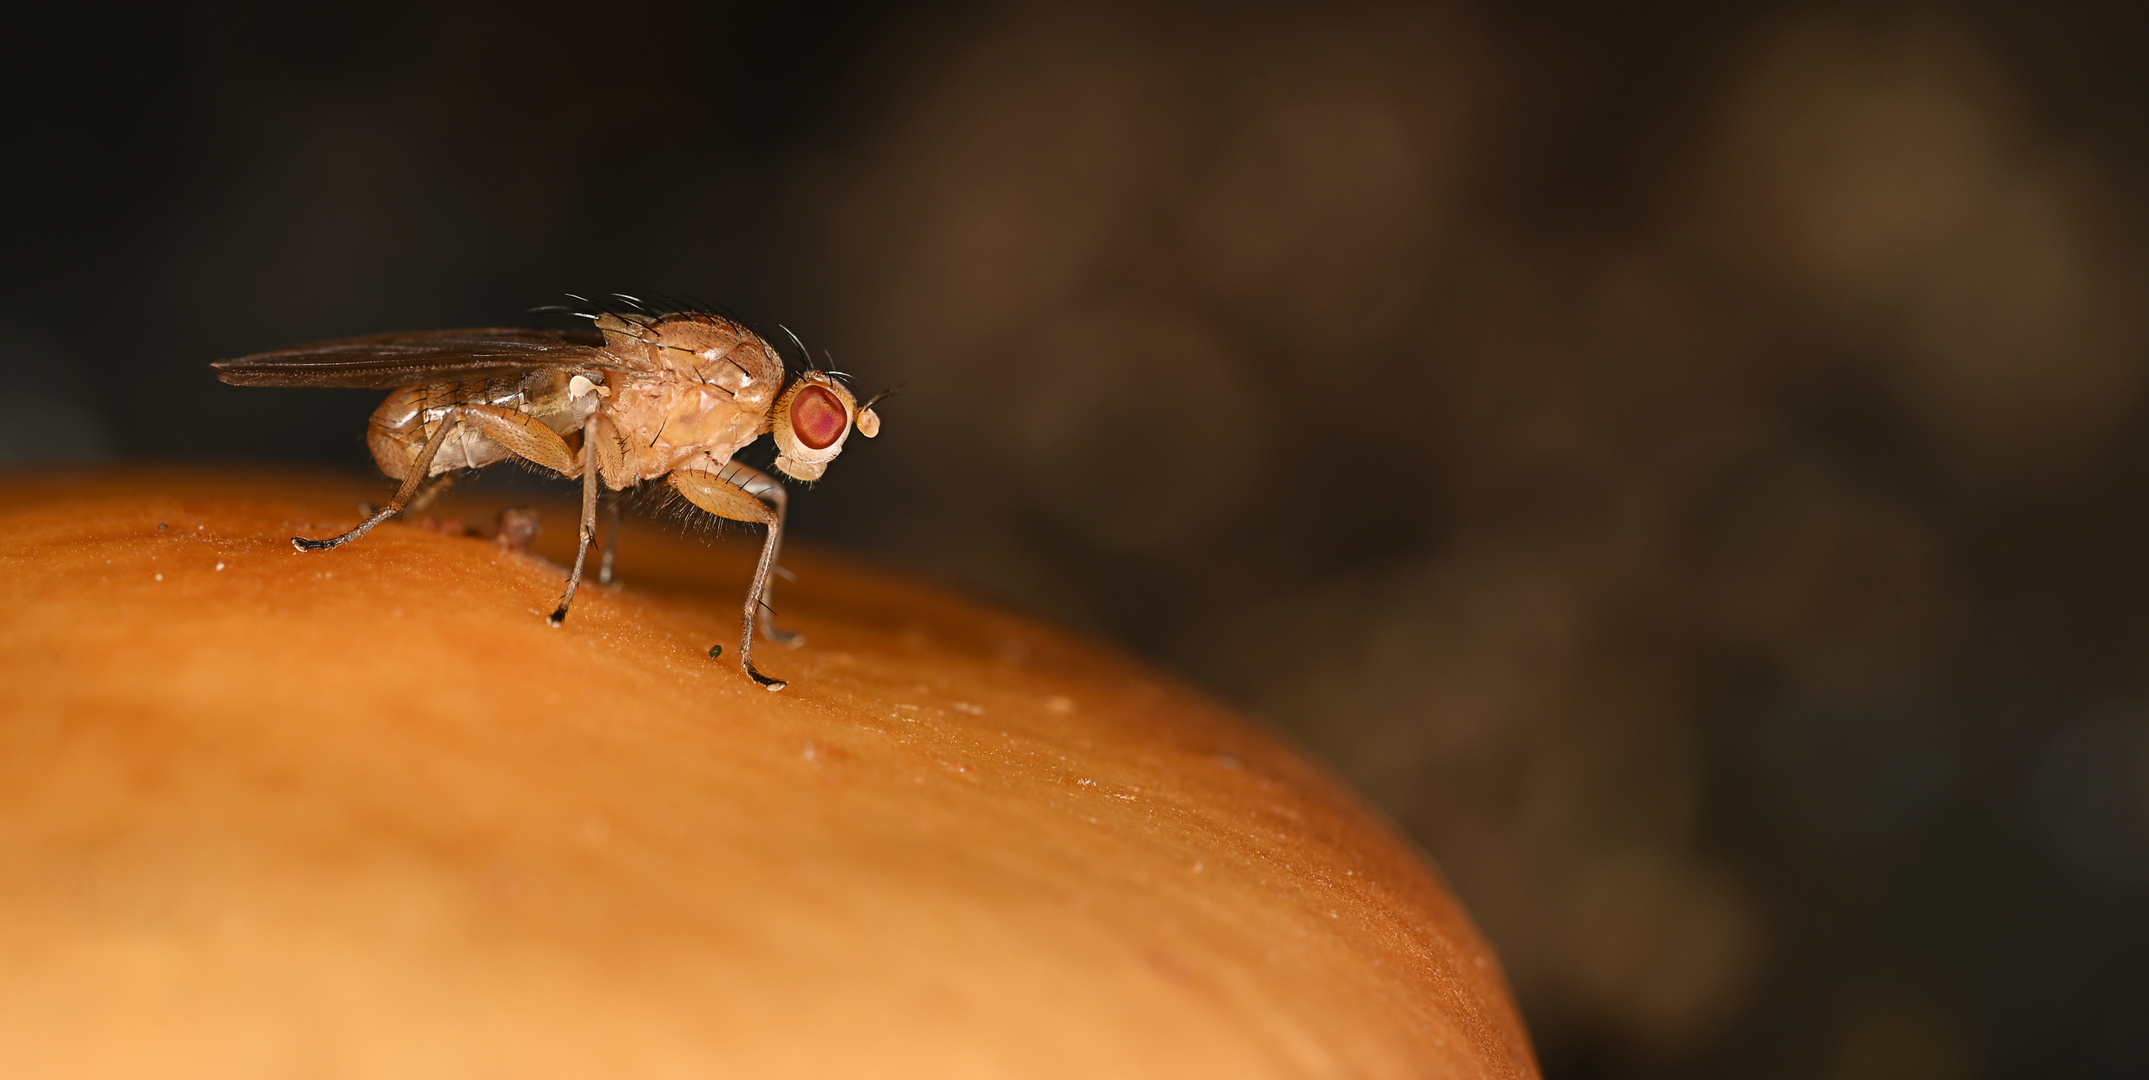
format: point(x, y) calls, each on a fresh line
point(364, 814)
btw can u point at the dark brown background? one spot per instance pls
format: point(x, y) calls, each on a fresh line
point(1688, 465)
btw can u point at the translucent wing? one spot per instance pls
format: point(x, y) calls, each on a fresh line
point(387, 361)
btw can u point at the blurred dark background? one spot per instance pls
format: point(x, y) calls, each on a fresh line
point(1686, 462)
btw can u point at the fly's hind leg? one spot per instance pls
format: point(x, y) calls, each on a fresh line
point(522, 436)
point(413, 480)
point(742, 494)
point(589, 520)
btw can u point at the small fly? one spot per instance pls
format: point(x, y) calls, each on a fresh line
point(650, 394)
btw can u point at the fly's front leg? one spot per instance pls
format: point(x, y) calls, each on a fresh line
point(589, 519)
point(766, 488)
point(412, 482)
point(727, 496)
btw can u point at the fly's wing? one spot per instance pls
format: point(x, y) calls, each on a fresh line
point(387, 361)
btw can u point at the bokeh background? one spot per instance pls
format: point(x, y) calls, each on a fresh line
point(1685, 462)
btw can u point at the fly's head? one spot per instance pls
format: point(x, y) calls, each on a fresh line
point(812, 419)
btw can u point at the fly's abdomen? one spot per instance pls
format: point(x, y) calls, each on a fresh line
point(399, 429)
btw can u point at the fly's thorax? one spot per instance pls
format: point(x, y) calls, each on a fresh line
point(697, 346)
point(667, 419)
point(560, 400)
point(699, 388)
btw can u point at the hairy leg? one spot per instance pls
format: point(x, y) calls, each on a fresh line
point(734, 501)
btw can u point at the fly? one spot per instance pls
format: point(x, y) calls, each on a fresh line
point(648, 395)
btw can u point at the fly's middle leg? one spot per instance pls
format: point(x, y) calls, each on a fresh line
point(433, 489)
point(611, 536)
point(589, 520)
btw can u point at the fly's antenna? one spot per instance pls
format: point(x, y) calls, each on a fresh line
point(882, 396)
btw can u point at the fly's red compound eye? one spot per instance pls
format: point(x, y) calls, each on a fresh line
point(817, 418)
